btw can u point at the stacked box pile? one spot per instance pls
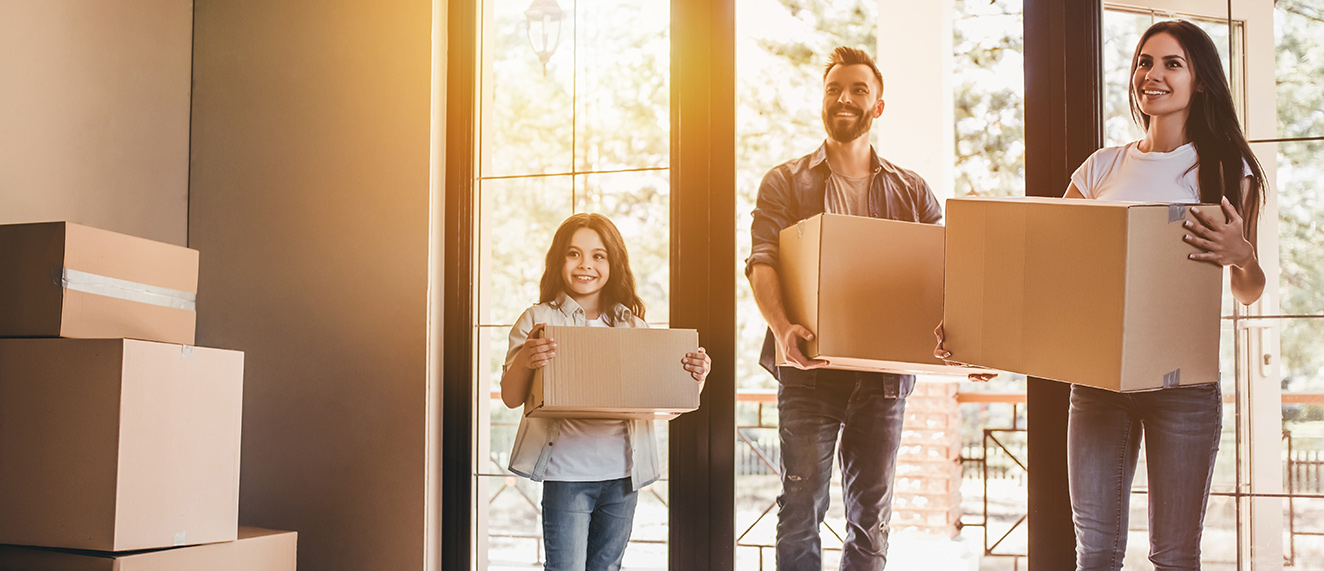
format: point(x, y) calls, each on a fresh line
point(119, 439)
point(928, 471)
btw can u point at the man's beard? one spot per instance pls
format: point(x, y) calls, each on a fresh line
point(845, 133)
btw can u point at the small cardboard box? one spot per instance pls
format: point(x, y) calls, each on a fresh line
point(59, 279)
point(869, 289)
point(610, 372)
point(255, 550)
point(118, 444)
point(1093, 292)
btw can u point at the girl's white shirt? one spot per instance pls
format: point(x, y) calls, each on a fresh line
point(536, 438)
point(1126, 173)
point(590, 449)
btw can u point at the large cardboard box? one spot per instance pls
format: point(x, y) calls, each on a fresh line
point(610, 372)
point(1092, 292)
point(59, 279)
point(869, 289)
point(255, 550)
point(115, 444)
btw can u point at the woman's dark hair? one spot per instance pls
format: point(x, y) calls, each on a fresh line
point(1212, 124)
point(620, 282)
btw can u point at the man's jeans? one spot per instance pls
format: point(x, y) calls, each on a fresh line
point(586, 525)
point(870, 428)
point(1181, 428)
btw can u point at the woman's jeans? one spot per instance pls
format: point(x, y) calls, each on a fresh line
point(1181, 429)
point(870, 427)
point(586, 525)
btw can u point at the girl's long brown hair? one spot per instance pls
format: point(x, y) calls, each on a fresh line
point(1211, 125)
point(620, 286)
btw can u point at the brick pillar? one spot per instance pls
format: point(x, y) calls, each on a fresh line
point(928, 472)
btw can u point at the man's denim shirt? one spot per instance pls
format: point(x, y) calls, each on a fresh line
point(796, 190)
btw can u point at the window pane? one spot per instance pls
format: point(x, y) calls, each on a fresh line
point(1302, 346)
point(517, 219)
point(1300, 225)
point(624, 91)
point(1303, 531)
point(527, 120)
point(639, 204)
point(1299, 37)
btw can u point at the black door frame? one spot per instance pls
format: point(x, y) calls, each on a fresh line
point(702, 443)
point(1063, 126)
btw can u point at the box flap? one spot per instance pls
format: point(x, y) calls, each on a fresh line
point(799, 258)
point(132, 259)
point(1172, 303)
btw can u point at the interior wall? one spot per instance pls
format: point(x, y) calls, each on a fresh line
point(94, 114)
point(310, 207)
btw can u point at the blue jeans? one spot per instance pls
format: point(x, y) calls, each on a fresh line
point(869, 424)
point(586, 525)
point(1181, 428)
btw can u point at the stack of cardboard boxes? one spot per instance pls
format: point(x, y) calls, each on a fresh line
point(119, 439)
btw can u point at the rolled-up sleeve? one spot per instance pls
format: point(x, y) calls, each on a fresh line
point(518, 334)
point(927, 208)
point(773, 211)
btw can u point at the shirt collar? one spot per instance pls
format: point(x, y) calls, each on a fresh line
point(819, 159)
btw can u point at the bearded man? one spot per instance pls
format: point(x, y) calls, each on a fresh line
point(817, 403)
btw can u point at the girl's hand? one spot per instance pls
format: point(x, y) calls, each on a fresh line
point(535, 353)
point(944, 354)
point(698, 364)
point(1222, 242)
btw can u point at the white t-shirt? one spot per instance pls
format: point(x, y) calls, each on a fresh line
point(590, 450)
point(1129, 174)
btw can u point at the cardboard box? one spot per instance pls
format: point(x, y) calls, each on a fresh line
point(115, 444)
point(610, 372)
point(1093, 292)
point(869, 289)
point(255, 550)
point(59, 279)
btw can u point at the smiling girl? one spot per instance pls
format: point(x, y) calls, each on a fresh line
point(591, 469)
point(1193, 151)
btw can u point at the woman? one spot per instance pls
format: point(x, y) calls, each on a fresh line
point(1193, 151)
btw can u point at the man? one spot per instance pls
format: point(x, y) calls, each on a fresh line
point(815, 401)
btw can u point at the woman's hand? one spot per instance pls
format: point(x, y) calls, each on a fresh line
point(698, 364)
point(536, 352)
point(944, 354)
point(1221, 242)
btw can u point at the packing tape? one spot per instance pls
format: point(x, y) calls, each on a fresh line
point(1172, 379)
point(186, 351)
point(126, 290)
point(179, 539)
point(1176, 213)
point(800, 229)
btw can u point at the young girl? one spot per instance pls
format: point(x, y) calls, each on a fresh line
point(591, 469)
point(1193, 151)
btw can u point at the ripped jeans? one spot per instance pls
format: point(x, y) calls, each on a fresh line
point(869, 423)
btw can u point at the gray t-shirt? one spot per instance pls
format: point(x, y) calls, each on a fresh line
point(846, 195)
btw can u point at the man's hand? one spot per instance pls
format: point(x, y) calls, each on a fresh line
point(942, 353)
point(789, 339)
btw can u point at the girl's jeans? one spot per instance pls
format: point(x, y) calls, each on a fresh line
point(869, 423)
point(1181, 428)
point(586, 525)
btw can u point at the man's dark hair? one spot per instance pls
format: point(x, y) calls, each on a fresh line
point(850, 56)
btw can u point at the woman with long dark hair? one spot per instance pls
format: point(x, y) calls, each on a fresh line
point(1193, 151)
